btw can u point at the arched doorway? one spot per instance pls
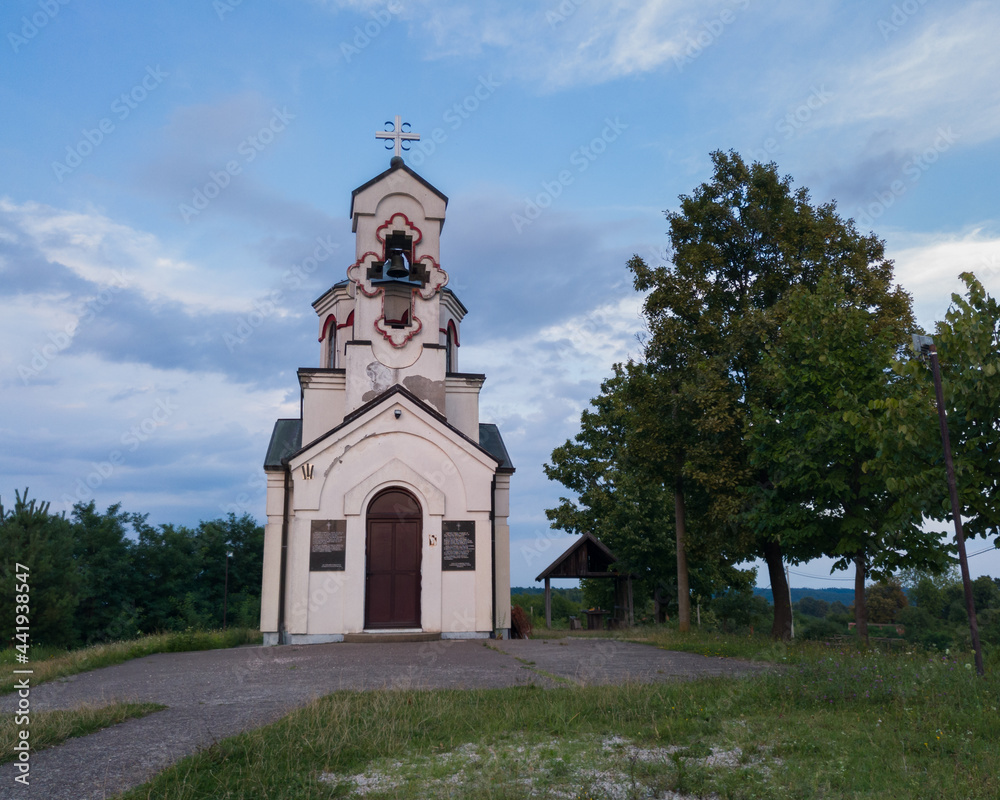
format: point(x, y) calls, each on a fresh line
point(392, 563)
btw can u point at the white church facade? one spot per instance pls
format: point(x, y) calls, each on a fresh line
point(387, 499)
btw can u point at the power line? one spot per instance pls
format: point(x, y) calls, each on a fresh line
point(819, 577)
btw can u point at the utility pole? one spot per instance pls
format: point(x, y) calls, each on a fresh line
point(225, 591)
point(788, 582)
point(925, 345)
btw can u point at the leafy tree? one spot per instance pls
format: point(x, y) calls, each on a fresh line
point(740, 242)
point(244, 538)
point(616, 500)
point(183, 572)
point(968, 344)
point(885, 600)
point(837, 609)
point(42, 542)
point(834, 468)
point(167, 566)
point(812, 607)
point(627, 495)
point(104, 554)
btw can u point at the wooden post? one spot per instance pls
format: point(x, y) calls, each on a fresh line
point(548, 604)
point(631, 604)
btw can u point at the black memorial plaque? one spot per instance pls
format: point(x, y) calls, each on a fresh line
point(327, 545)
point(458, 545)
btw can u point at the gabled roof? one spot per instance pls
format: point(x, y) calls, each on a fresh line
point(286, 439)
point(393, 166)
point(587, 557)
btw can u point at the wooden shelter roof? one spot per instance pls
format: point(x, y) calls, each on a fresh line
point(587, 557)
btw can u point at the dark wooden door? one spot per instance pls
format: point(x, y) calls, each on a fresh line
point(392, 579)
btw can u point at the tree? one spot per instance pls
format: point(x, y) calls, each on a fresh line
point(740, 242)
point(813, 607)
point(885, 600)
point(834, 470)
point(617, 500)
point(623, 468)
point(968, 343)
point(42, 542)
point(104, 555)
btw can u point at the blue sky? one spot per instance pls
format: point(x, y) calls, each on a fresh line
point(150, 338)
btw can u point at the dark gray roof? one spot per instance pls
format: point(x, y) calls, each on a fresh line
point(394, 165)
point(286, 438)
point(587, 557)
point(492, 442)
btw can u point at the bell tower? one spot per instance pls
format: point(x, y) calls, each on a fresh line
point(393, 321)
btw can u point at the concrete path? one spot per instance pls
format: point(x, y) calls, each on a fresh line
point(217, 693)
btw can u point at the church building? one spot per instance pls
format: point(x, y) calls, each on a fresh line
point(387, 499)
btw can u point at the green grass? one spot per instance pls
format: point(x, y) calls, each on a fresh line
point(48, 664)
point(752, 648)
point(830, 724)
point(49, 728)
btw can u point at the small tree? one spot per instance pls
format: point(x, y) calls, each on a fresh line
point(885, 600)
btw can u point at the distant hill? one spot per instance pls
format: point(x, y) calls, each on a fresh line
point(845, 596)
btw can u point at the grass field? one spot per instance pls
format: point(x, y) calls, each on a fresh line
point(48, 664)
point(49, 728)
point(829, 723)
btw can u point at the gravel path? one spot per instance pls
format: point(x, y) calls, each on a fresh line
point(217, 693)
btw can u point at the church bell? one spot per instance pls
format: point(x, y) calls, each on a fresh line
point(398, 268)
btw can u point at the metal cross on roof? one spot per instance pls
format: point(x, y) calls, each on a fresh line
point(397, 134)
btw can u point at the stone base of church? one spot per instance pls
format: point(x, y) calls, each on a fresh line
point(271, 639)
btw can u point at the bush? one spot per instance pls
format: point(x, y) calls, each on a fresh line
point(811, 628)
point(924, 629)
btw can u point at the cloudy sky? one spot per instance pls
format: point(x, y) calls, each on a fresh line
point(166, 168)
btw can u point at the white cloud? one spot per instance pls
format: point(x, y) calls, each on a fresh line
point(928, 266)
point(106, 253)
point(945, 74)
point(563, 42)
point(528, 374)
point(152, 438)
point(862, 107)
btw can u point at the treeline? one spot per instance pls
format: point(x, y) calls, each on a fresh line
point(778, 410)
point(930, 611)
point(97, 577)
point(566, 603)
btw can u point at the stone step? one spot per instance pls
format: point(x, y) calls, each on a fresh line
point(359, 638)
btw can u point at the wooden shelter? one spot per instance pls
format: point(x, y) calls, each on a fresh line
point(588, 557)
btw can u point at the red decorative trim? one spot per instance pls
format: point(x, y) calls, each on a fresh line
point(387, 333)
point(350, 321)
point(326, 323)
point(452, 330)
point(356, 275)
point(388, 223)
point(439, 278)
